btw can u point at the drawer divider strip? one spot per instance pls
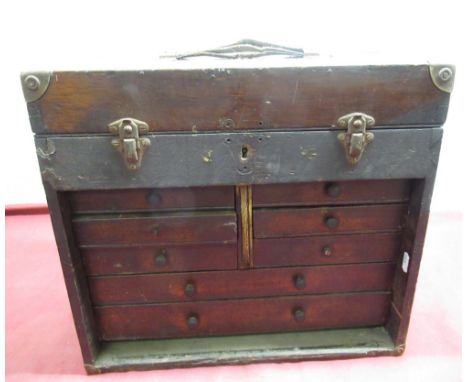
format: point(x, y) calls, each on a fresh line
point(244, 210)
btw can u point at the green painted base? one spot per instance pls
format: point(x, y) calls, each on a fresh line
point(277, 347)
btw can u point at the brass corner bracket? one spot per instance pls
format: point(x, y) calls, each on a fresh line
point(443, 77)
point(35, 85)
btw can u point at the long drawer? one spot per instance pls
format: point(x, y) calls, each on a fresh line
point(162, 258)
point(329, 193)
point(284, 222)
point(157, 228)
point(152, 199)
point(326, 249)
point(295, 313)
point(199, 286)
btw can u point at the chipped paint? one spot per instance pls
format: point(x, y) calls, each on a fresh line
point(207, 156)
point(295, 92)
point(308, 152)
point(48, 152)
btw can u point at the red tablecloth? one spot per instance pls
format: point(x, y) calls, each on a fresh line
point(41, 344)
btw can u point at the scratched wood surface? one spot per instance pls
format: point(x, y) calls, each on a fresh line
point(200, 286)
point(242, 316)
point(152, 199)
point(156, 229)
point(291, 222)
point(270, 98)
point(328, 193)
point(326, 249)
point(159, 258)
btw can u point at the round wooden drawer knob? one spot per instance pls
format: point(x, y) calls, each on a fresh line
point(331, 222)
point(161, 259)
point(192, 320)
point(299, 281)
point(327, 250)
point(333, 190)
point(298, 314)
point(190, 288)
point(153, 198)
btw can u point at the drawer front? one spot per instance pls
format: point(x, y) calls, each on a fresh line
point(242, 316)
point(179, 228)
point(284, 222)
point(152, 199)
point(319, 250)
point(169, 258)
point(239, 284)
point(317, 193)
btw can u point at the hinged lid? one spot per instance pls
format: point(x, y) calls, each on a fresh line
point(300, 93)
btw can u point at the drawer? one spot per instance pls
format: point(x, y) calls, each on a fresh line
point(152, 199)
point(157, 228)
point(242, 316)
point(318, 193)
point(168, 258)
point(149, 288)
point(319, 250)
point(284, 222)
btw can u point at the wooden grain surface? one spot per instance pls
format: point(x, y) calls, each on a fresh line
point(285, 222)
point(327, 249)
point(196, 100)
point(152, 288)
point(152, 199)
point(329, 193)
point(156, 229)
point(177, 258)
point(242, 316)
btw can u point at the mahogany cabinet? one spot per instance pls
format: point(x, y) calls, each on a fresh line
point(224, 211)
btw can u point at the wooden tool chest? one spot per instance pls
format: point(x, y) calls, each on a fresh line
point(242, 211)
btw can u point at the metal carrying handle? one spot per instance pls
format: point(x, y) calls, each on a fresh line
point(246, 49)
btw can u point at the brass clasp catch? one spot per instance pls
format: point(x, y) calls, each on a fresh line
point(129, 143)
point(356, 139)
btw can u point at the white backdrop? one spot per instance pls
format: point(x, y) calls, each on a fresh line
point(49, 35)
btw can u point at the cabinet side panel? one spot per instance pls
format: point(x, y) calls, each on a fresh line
point(73, 273)
point(406, 275)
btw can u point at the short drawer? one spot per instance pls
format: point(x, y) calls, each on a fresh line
point(326, 249)
point(328, 193)
point(154, 229)
point(152, 199)
point(164, 258)
point(242, 316)
point(199, 286)
point(284, 222)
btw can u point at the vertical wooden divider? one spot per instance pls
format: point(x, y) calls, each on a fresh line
point(245, 226)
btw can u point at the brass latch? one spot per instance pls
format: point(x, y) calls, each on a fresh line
point(129, 143)
point(356, 139)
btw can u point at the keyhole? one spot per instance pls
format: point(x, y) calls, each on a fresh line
point(244, 152)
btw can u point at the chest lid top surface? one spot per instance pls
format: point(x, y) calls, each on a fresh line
point(232, 95)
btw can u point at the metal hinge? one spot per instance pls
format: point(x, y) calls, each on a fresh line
point(356, 139)
point(129, 143)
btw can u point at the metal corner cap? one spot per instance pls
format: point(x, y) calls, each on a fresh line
point(35, 84)
point(443, 76)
